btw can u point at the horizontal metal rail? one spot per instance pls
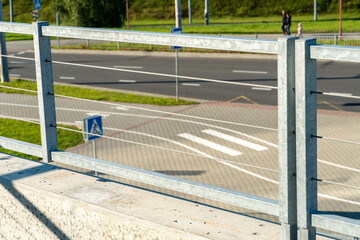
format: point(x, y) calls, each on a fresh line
point(336, 223)
point(167, 39)
point(223, 195)
point(335, 53)
point(21, 28)
point(20, 146)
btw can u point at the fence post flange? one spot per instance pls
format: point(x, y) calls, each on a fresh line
point(45, 85)
point(287, 140)
point(306, 145)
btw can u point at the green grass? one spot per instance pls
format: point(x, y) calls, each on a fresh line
point(327, 23)
point(30, 132)
point(93, 94)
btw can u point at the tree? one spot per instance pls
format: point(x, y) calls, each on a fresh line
point(92, 13)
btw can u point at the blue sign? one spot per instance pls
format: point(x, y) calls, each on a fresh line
point(37, 4)
point(92, 125)
point(176, 31)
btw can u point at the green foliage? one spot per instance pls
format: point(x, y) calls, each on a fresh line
point(30, 132)
point(90, 13)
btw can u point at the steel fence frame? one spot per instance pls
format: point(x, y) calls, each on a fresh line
point(294, 171)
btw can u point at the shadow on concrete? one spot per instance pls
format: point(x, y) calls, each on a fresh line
point(7, 182)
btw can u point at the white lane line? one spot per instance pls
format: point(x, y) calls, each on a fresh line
point(14, 62)
point(128, 81)
point(261, 89)
point(121, 108)
point(235, 140)
point(244, 71)
point(97, 113)
point(20, 53)
point(14, 75)
point(67, 78)
point(210, 144)
point(130, 67)
point(191, 84)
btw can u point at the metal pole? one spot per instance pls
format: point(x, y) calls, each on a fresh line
point(178, 13)
point(58, 24)
point(176, 73)
point(189, 6)
point(11, 11)
point(287, 138)
point(340, 22)
point(95, 153)
point(206, 12)
point(306, 141)
point(3, 59)
point(127, 14)
point(315, 10)
point(45, 86)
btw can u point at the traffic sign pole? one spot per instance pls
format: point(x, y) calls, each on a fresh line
point(95, 153)
point(176, 73)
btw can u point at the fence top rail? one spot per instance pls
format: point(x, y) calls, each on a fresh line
point(20, 28)
point(167, 39)
point(335, 53)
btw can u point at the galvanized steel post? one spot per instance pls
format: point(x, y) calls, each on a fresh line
point(3, 59)
point(45, 86)
point(206, 12)
point(306, 142)
point(178, 13)
point(287, 139)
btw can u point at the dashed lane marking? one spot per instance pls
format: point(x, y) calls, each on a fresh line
point(245, 71)
point(67, 78)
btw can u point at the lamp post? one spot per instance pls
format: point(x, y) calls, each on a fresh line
point(340, 22)
point(11, 11)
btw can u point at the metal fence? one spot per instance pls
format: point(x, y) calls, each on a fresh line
point(297, 153)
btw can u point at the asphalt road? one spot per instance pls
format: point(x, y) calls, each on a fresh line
point(334, 77)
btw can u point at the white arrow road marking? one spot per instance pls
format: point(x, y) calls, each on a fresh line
point(20, 53)
point(235, 140)
point(244, 71)
point(210, 144)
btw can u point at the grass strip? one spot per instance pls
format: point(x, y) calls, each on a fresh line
point(92, 94)
point(30, 132)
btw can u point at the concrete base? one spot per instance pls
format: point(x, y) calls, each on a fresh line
point(41, 201)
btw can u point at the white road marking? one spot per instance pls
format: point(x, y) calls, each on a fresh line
point(131, 67)
point(235, 140)
point(67, 78)
point(121, 108)
point(244, 71)
point(128, 81)
point(210, 144)
point(14, 75)
point(14, 62)
point(97, 113)
point(20, 53)
point(261, 89)
point(191, 84)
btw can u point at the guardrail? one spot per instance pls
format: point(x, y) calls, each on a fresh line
point(295, 111)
